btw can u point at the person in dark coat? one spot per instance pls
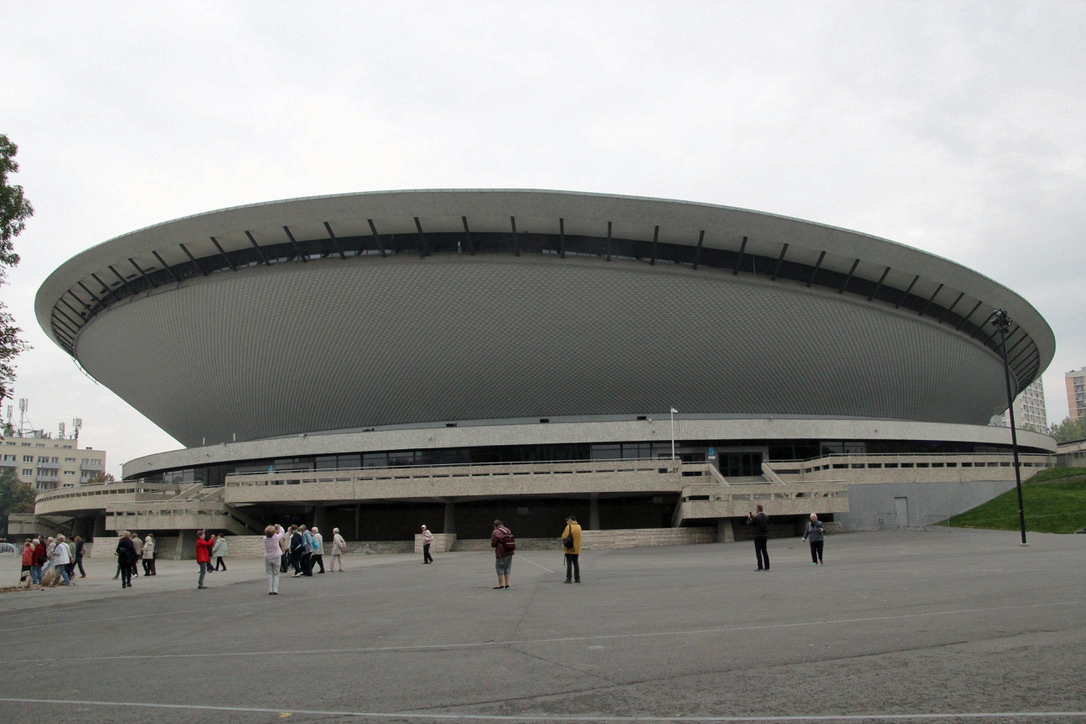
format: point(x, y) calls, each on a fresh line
point(760, 521)
point(126, 558)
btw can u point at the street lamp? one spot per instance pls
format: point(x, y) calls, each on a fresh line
point(1002, 322)
point(673, 413)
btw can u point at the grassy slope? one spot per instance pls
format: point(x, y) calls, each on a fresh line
point(1054, 502)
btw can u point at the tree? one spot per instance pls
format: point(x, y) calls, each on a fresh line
point(14, 211)
point(1069, 430)
point(102, 478)
point(15, 495)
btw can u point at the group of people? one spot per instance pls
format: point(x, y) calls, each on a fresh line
point(130, 552)
point(815, 533)
point(301, 549)
point(504, 544)
point(298, 547)
point(210, 545)
point(40, 554)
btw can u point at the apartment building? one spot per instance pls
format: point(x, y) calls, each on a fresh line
point(1076, 393)
point(1029, 409)
point(48, 463)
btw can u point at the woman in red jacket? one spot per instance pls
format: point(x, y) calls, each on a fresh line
point(203, 554)
point(28, 561)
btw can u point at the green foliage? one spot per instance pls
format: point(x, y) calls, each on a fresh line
point(15, 495)
point(14, 211)
point(1054, 501)
point(1069, 430)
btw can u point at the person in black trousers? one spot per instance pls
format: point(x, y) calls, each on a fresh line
point(760, 521)
point(816, 533)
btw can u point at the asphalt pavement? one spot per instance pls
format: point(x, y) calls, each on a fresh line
point(914, 626)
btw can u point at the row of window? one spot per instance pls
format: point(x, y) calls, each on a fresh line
point(45, 459)
point(735, 457)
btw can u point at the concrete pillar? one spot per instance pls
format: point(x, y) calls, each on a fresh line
point(82, 527)
point(321, 519)
point(450, 519)
point(725, 533)
point(357, 521)
point(185, 538)
point(100, 526)
point(594, 511)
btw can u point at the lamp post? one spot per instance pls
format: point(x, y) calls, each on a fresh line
point(1002, 322)
point(673, 411)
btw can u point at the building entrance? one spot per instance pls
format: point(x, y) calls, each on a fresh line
point(740, 463)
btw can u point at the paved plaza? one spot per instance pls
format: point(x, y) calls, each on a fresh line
point(919, 626)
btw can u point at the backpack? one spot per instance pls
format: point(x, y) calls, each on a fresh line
point(509, 541)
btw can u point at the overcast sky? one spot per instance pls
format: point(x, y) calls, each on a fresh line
point(958, 128)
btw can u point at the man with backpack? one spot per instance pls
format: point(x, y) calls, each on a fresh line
point(504, 544)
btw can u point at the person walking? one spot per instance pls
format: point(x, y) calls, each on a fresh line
point(203, 554)
point(339, 547)
point(138, 545)
point(77, 558)
point(297, 545)
point(62, 556)
point(504, 545)
point(126, 558)
point(816, 534)
point(272, 556)
point(760, 522)
point(427, 541)
point(149, 555)
point(80, 551)
point(219, 549)
point(36, 570)
point(307, 551)
point(318, 549)
point(28, 562)
point(284, 547)
point(571, 543)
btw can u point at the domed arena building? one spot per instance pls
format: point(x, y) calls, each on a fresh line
point(371, 361)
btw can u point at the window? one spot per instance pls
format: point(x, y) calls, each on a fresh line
point(28, 458)
point(27, 472)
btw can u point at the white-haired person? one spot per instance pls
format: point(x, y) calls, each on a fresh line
point(816, 534)
point(339, 547)
point(62, 556)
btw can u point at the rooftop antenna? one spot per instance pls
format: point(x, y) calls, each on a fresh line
point(76, 424)
point(24, 405)
point(60, 434)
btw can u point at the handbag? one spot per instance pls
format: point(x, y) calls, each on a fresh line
point(567, 542)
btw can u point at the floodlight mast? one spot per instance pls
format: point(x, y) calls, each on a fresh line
point(673, 412)
point(1002, 322)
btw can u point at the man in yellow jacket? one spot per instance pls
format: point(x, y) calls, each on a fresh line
point(571, 543)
